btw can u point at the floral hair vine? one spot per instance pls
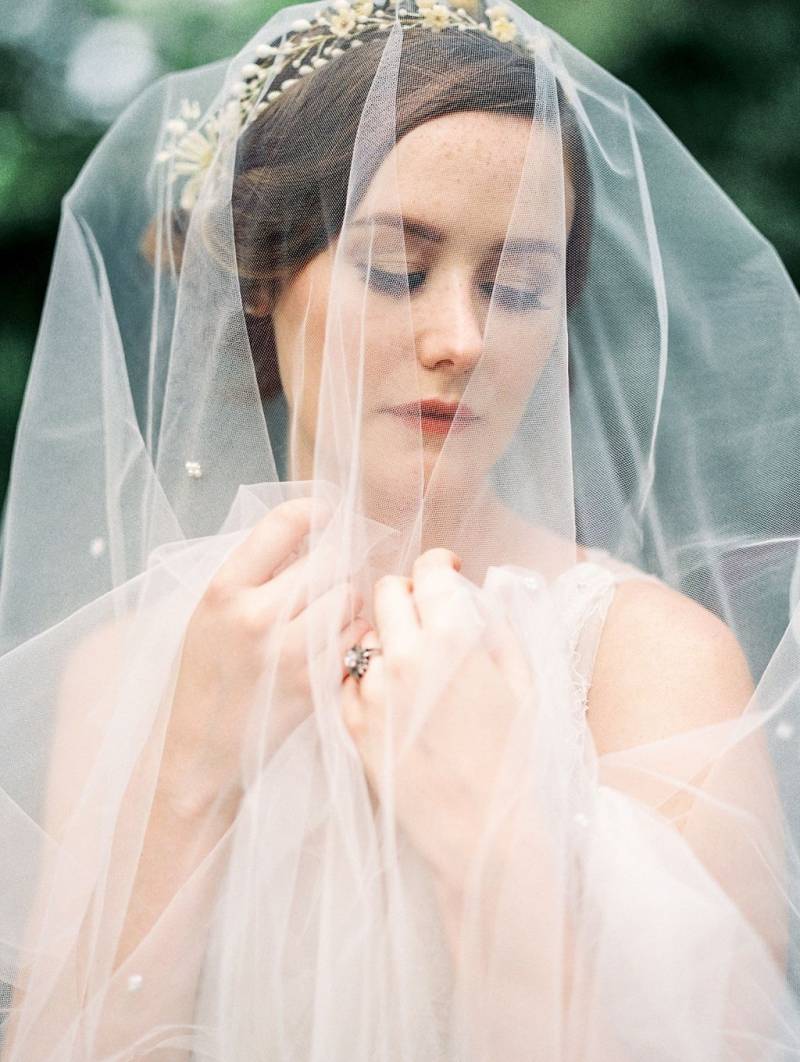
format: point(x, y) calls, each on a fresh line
point(190, 145)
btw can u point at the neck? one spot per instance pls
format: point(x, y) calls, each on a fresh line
point(484, 532)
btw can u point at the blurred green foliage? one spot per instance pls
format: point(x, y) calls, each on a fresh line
point(723, 74)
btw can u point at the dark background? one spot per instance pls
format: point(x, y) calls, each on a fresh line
point(723, 74)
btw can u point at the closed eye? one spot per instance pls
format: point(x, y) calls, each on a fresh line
point(518, 300)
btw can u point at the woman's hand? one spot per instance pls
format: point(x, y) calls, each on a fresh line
point(230, 646)
point(445, 690)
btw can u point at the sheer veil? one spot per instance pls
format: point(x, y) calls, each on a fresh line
point(388, 280)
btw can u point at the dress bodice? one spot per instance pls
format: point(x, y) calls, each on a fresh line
point(584, 594)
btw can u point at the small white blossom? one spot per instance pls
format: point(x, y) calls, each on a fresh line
point(190, 111)
point(498, 11)
point(306, 69)
point(436, 17)
point(274, 95)
point(289, 82)
point(195, 149)
point(265, 50)
point(301, 24)
point(238, 88)
point(539, 44)
point(251, 70)
point(177, 126)
point(343, 23)
point(190, 193)
point(318, 61)
point(503, 30)
point(194, 469)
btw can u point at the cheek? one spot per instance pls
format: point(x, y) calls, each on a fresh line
point(376, 334)
point(363, 323)
point(525, 347)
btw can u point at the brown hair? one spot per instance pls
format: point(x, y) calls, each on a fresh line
point(293, 162)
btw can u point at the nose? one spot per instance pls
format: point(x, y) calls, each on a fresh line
point(451, 332)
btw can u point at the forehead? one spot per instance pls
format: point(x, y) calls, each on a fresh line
point(462, 172)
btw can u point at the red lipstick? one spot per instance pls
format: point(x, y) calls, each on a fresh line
point(435, 416)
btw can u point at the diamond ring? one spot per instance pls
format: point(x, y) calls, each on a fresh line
point(357, 658)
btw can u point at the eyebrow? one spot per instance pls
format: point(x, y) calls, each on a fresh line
point(414, 227)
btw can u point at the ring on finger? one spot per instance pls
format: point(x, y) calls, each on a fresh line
point(357, 658)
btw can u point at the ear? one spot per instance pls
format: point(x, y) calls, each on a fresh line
point(258, 302)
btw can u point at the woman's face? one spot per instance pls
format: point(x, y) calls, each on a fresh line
point(413, 329)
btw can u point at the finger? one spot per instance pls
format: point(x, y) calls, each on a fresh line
point(370, 639)
point(437, 557)
point(396, 619)
point(272, 540)
point(353, 709)
point(324, 618)
point(367, 639)
point(354, 706)
point(437, 586)
point(506, 651)
point(305, 580)
point(353, 634)
point(370, 688)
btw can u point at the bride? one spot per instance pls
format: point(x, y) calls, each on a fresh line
point(329, 734)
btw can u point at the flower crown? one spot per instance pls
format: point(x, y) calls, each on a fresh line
point(190, 145)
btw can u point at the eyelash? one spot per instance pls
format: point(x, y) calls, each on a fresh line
point(394, 284)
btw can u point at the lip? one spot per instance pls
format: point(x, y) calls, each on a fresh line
point(436, 416)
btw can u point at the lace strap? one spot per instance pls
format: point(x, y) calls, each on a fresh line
point(585, 595)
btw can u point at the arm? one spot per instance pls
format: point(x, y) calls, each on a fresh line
point(666, 667)
point(177, 839)
point(666, 670)
point(133, 864)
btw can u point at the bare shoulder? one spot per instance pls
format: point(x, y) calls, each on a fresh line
point(664, 664)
